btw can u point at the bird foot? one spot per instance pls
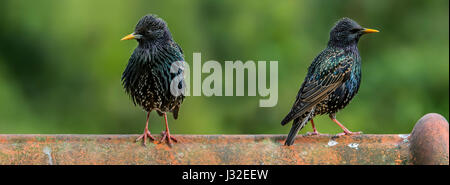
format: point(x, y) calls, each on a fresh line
point(166, 135)
point(348, 133)
point(315, 133)
point(144, 136)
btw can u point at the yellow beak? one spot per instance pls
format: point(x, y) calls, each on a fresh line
point(129, 37)
point(367, 30)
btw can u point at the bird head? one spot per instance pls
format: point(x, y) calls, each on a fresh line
point(149, 28)
point(347, 32)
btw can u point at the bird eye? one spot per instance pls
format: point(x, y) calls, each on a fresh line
point(355, 30)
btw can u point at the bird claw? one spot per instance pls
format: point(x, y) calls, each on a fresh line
point(145, 135)
point(166, 135)
point(348, 133)
point(315, 133)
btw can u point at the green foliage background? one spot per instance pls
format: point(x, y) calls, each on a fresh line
point(61, 62)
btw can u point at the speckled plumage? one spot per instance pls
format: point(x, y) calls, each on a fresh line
point(332, 80)
point(147, 77)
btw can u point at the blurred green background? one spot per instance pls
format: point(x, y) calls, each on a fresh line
point(61, 63)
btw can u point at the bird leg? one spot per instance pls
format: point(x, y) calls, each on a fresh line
point(315, 132)
point(346, 131)
point(166, 134)
point(146, 132)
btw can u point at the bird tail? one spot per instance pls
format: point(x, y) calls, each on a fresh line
point(297, 125)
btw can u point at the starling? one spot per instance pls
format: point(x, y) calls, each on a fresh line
point(333, 79)
point(147, 77)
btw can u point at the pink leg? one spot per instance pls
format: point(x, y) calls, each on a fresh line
point(346, 131)
point(146, 132)
point(166, 134)
point(314, 129)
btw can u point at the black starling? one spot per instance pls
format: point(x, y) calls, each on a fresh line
point(147, 77)
point(332, 81)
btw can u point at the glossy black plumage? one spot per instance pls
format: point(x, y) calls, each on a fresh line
point(332, 80)
point(147, 77)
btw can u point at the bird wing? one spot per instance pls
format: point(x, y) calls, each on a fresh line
point(323, 78)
